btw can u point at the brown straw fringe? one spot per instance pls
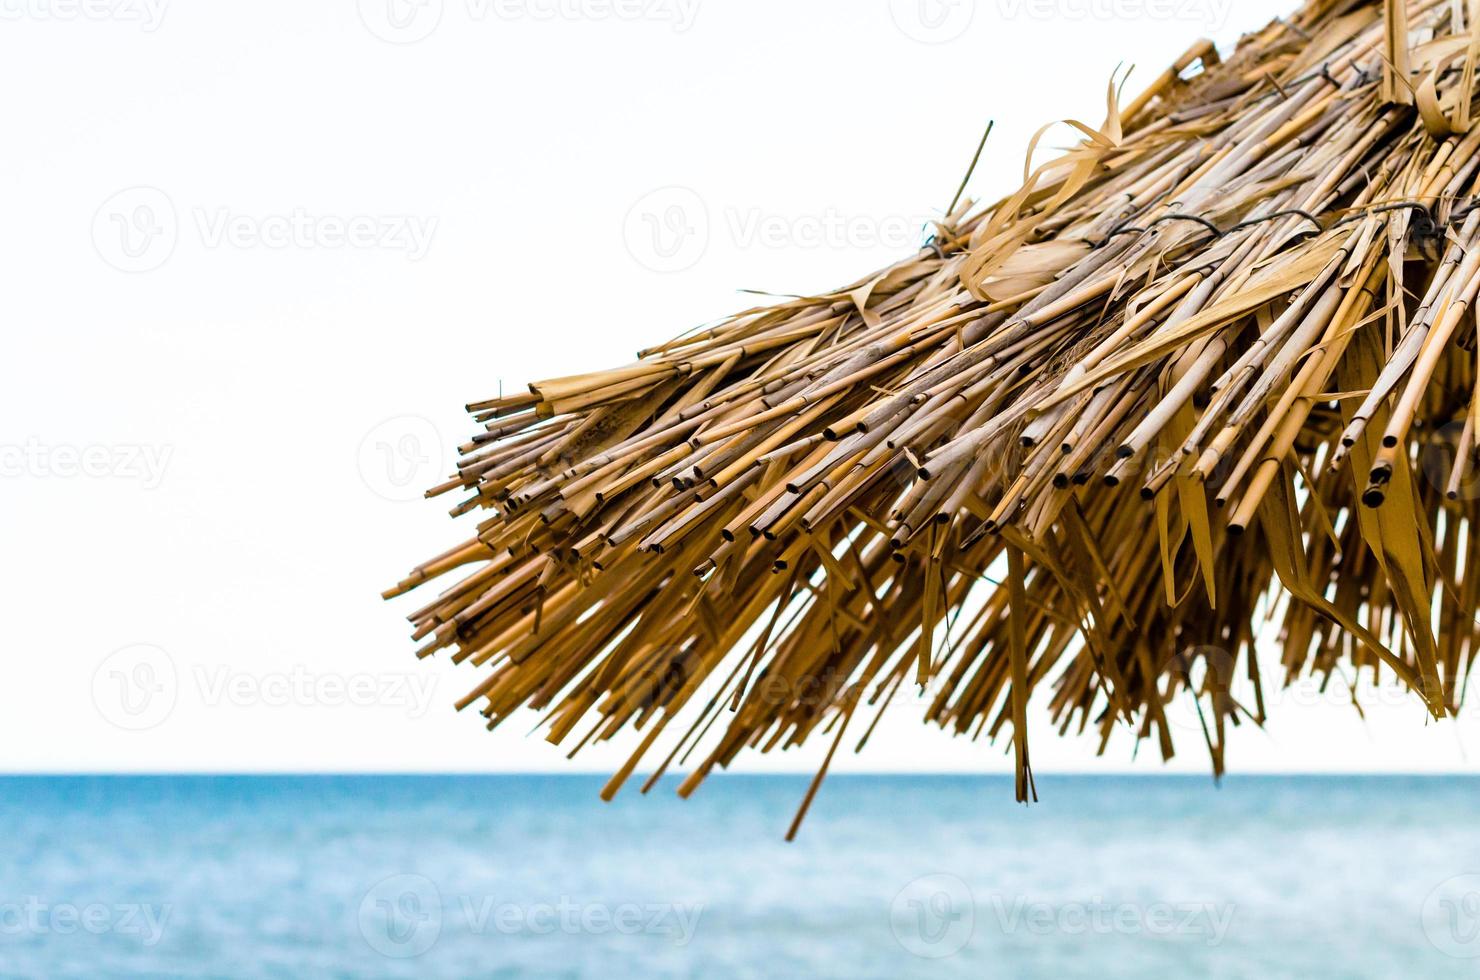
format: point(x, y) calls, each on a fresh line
point(1213, 366)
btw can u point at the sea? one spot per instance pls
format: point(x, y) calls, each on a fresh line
point(890, 876)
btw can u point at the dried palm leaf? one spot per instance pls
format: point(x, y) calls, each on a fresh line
point(1216, 362)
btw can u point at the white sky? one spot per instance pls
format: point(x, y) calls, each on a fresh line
point(244, 399)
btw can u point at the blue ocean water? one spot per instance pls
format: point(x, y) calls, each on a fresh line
point(510, 876)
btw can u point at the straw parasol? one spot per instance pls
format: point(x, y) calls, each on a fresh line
point(1208, 374)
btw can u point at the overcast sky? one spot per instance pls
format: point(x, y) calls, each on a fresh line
point(259, 255)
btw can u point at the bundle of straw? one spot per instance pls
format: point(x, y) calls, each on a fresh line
point(1214, 364)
